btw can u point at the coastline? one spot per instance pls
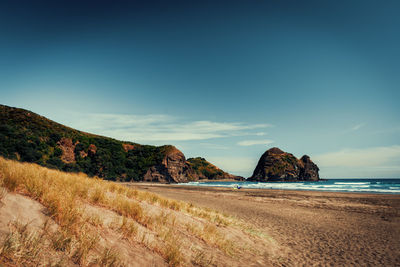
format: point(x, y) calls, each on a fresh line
point(372, 186)
point(260, 190)
point(337, 228)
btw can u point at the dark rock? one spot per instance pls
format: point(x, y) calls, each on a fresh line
point(277, 165)
point(173, 169)
point(309, 170)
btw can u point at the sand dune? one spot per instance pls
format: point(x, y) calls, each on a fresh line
point(51, 218)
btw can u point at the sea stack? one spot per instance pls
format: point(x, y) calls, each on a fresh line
point(277, 165)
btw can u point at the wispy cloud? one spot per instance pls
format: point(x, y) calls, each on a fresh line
point(214, 146)
point(255, 142)
point(375, 162)
point(161, 128)
point(368, 157)
point(357, 126)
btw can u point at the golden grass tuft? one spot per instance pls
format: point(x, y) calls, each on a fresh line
point(109, 258)
point(94, 219)
point(128, 228)
point(3, 193)
point(171, 249)
point(21, 246)
point(202, 259)
point(61, 240)
point(127, 208)
point(97, 195)
point(82, 248)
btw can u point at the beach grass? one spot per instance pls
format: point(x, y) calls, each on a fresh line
point(166, 227)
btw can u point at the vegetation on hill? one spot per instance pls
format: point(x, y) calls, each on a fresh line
point(93, 222)
point(207, 170)
point(26, 136)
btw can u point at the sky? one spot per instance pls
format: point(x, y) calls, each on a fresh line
point(224, 80)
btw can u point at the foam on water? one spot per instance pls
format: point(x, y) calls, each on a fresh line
point(351, 183)
point(383, 186)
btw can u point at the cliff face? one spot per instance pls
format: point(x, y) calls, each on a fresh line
point(277, 165)
point(208, 171)
point(173, 168)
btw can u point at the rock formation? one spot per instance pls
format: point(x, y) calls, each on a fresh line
point(277, 165)
point(309, 170)
point(67, 147)
point(173, 169)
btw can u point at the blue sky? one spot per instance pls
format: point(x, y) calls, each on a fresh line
point(225, 80)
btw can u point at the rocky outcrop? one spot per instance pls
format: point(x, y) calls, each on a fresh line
point(173, 168)
point(309, 170)
point(128, 147)
point(67, 147)
point(277, 165)
point(92, 150)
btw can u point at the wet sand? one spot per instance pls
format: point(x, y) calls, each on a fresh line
point(315, 228)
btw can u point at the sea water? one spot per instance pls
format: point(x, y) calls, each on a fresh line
point(382, 186)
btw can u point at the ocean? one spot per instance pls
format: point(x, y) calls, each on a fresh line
point(381, 186)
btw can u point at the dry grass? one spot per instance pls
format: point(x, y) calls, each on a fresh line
point(97, 195)
point(109, 258)
point(171, 249)
point(22, 246)
point(61, 241)
point(128, 228)
point(201, 258)
point(3, 193)
point(167, 227)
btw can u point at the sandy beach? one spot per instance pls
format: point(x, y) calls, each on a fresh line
point(313, 228)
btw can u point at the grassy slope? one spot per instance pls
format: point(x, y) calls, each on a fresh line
point(100, 222)
point(206, 170)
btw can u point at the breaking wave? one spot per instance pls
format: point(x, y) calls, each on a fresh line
point(383, 186)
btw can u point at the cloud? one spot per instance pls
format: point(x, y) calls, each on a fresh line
point(358, 126)
point(255, 142)
point(160, 128)
point(214, 146)
point(375, 156)
point(369, 162)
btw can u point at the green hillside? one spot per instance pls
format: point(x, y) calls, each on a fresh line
point(26, 136)
point(206, 170)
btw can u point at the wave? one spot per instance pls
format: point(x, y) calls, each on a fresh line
point(347, 183)
point(331, 186)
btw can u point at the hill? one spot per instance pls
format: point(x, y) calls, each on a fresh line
point(29, 137)
point(207, 170)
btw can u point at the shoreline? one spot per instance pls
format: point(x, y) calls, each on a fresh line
point(313, 227)
point(177, 185)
